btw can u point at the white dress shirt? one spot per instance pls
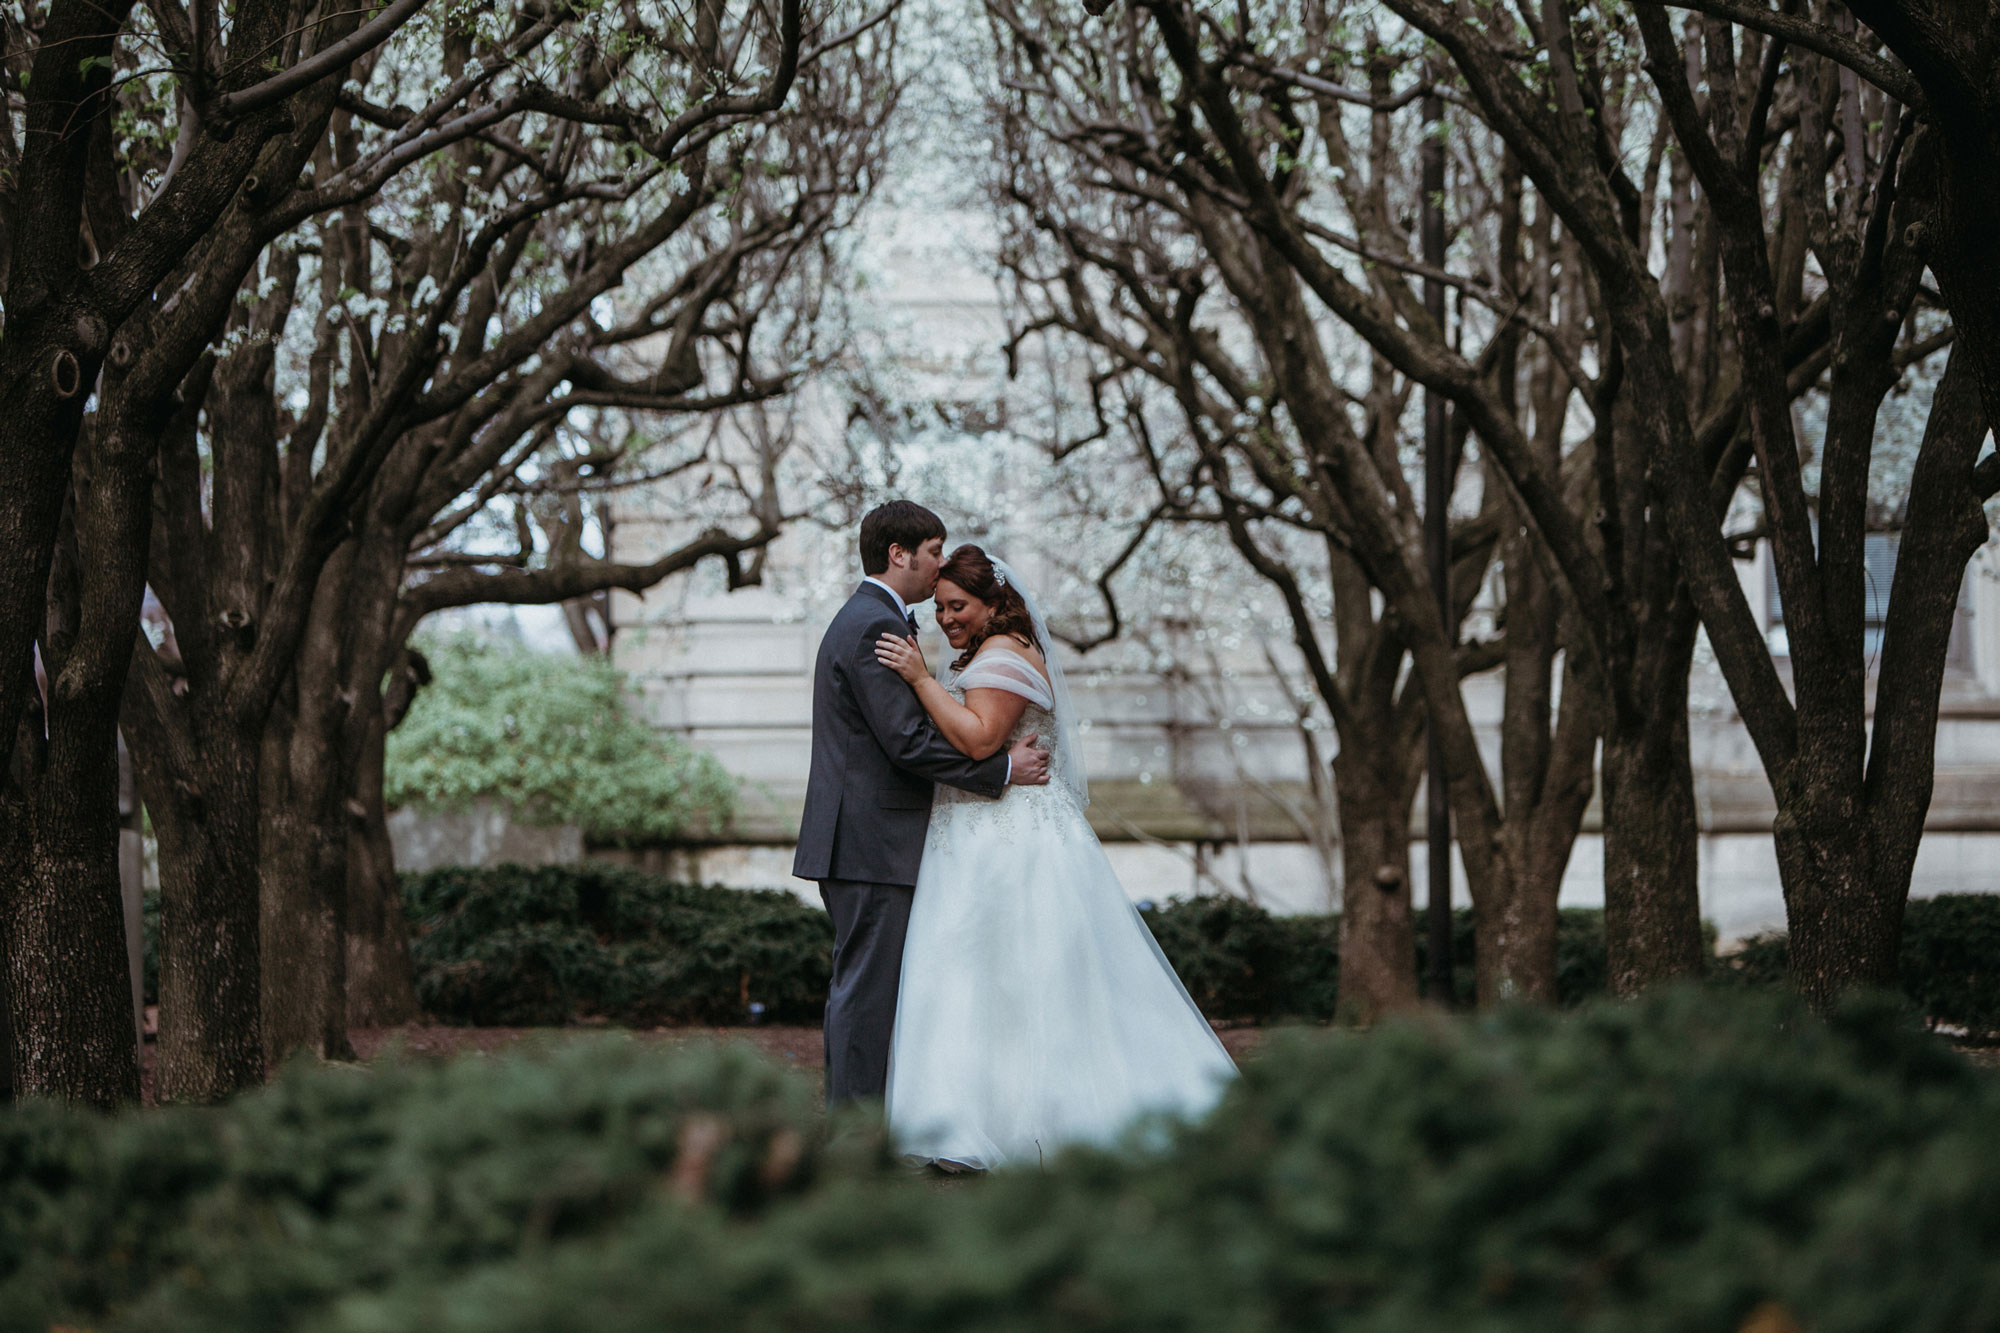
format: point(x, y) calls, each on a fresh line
point(902, 607)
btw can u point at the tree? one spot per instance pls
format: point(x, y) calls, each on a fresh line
point(1851, 797)
point(455, 342)
point(541, 127)
point(1197, 293)
point(746, 288)
point(87, 254)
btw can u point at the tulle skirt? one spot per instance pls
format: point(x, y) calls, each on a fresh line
point(1036, 1010)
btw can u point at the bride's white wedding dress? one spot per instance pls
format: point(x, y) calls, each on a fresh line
point(1036, 1010)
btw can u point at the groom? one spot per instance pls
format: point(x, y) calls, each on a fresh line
point(875, 756)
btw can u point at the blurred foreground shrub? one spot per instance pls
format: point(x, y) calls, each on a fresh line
point(548, 945)
point(253, 1215)
point(1699, 1160)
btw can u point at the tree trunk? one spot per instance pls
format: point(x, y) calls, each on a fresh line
point(56, 337)
point(13, 864)
point(211, 1039)
point(1846, 840)
point(1514, 931)
point(6, 1023)
point(1843, 931)
point(1652, 901)
point(69, 982)
point(1378, 950)
point(303, 869)
point(381, 987)
point(67, 985)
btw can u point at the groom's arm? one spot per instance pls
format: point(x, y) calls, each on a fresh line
point(905, 731)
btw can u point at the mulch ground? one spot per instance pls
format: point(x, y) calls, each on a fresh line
point(797, 1046)
point(801, 1047)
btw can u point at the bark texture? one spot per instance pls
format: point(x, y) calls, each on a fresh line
point(1377, 944)
point(1652, 901)
point(204, 811)
point(66, 978)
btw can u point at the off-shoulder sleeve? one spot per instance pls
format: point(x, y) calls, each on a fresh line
point(1004, 669)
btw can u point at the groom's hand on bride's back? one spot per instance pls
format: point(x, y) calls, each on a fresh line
point(1027, 766)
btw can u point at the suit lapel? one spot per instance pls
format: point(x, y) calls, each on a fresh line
point(880, 594)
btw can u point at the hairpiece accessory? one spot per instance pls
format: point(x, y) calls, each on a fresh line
point(1000, 576)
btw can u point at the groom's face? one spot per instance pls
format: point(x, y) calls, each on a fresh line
point(923, 566)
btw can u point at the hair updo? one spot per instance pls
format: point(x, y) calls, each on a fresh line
point(971, 569)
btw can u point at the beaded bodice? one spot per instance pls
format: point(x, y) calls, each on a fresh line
point(1017, 812)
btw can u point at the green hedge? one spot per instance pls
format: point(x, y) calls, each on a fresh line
point(515, 946)
point(1950, 962)
point(520, 946)
point(1242, 963)
point(1951, 958)
point(1696, 1161)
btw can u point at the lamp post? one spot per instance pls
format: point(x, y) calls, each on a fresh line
point(1437, 550)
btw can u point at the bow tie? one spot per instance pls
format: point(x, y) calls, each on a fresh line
point(911, 616)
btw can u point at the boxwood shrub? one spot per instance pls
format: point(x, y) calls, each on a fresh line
point(1950, 964)
point(532, 946)
point(334, 1179)
point(1241, 963)
point(1698, 1160)
point(515, 946)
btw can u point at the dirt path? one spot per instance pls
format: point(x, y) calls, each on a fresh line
point(799, 1046)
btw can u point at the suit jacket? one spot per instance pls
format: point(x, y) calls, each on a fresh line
point(875, 756)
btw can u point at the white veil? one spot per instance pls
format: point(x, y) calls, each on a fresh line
point(1067, 765)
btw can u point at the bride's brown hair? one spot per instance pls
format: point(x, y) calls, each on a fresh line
point(971, 569)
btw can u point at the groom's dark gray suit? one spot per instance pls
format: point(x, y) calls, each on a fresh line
point(875, 758)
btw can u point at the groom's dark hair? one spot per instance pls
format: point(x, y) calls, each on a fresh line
point(903, 523)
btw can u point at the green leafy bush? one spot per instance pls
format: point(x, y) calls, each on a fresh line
point(1694, 1161)
point(551, 737)
point(1950, 964)
point(522, 946)
point(333, 1180)
point(529, 947)
point(1951, 958)
point(1680, 1164)
point(1240, 962)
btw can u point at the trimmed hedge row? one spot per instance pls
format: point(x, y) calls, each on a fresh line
point(553, 945)
point(1241, 962)
point(521, 946)
point(1698, 1160)
point(1950, 964)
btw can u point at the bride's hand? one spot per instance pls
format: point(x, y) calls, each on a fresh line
point(902, 656)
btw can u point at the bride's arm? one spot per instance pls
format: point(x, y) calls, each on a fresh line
point(979, 726)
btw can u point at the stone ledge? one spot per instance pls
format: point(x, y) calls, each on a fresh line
point(1128, 810)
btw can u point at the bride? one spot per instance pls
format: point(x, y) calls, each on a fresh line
point(1035, 1007)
